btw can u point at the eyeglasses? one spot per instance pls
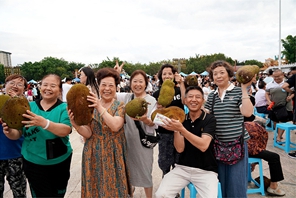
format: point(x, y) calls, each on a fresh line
point(12, 83)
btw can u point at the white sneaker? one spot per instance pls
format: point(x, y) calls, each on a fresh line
point(276, 192)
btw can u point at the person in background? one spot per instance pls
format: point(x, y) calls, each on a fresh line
point(231, 105)
point(275, 93)
point(167, 155)
point(87, 77)
point(104, 159)
point(65, 88)
point(206, 89)
point(46, 149)
point(260, 99)
point(139, 158)
point(289, 86)
point(194, 141)
point(11, 161)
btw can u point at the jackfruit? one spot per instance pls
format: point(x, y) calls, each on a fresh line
point(12, 111)
point(246, 73)
point(190, 80)
point(166, 93)
point(78, 103)
point(3, 99)
point(172, 112)
point(136, 107)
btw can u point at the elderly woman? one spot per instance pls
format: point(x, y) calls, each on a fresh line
point(230, 106)
point(104, 170)
point(11, 161)
point(46, 148)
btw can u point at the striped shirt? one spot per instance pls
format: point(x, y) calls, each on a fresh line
point(227, 113)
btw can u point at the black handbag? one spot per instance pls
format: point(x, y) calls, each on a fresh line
point(148, 141)
point(228, 152)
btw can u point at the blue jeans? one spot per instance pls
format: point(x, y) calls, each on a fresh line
point(234, 178)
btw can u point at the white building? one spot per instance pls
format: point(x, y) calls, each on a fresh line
point(5, 58)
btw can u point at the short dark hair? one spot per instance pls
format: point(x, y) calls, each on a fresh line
point(220, 63)
point(108, 72)
point(174, 70)
point(68, 79)
point(198, 88)
point(15, 76)
point(136, 72)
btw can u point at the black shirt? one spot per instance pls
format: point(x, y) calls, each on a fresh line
point(192, 156)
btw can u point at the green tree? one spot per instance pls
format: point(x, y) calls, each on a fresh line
point(289, 51)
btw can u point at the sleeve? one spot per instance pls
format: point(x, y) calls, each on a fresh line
point(208, 104)
point(291, 81)
point(210, 125)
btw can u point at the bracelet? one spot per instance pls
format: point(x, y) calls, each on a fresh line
point(103, 111)
point(47, 124)
point(246, 97)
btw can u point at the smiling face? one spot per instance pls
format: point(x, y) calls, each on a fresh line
point(194, 100)
point(107, 88)
point(50, 87)
point(167, 73)
point(15, 87)
point(220, 76)
point(138, 84)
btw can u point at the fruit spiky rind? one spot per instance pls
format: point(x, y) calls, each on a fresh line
point(136, 108)
point(78, 103)
point(166, 93)
point(13, 110)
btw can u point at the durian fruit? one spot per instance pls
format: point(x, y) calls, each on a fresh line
point(136, 107)
point(3, 99)
point(166, 93)
point(246, 73)
point(172, 112)
point(12, 111)
point(190, 80)
point(77, 102)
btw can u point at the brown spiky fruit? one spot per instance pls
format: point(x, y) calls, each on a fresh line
point(12, 111)
point(136, 107)
point(246, 73)
point(190, 80)
point(172, 112)
point(77, 102)
point(3, 99)
point(166, 93)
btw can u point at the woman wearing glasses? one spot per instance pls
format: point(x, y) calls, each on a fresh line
point(11, 161)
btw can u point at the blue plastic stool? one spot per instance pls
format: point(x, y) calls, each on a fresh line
point(193, 191)
point(271, 127)
point(287, 127)
point(261, 185)
point(262, 115)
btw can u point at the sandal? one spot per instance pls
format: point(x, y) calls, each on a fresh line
point(276, 192)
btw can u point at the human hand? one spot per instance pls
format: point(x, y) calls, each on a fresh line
point(117, 67)
point(172, 125)
point(249, 83)
point(178, 78)
point(34, 120)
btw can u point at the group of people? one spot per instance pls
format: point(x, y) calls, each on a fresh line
point(113, 155)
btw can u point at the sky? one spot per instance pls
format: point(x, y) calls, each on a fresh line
point(138, 31)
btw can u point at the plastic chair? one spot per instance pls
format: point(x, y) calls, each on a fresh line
point(260, 186)
point(193, 191)
point(287, 126)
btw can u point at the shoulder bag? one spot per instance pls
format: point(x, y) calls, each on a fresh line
point(229, 152)
point(148, 141)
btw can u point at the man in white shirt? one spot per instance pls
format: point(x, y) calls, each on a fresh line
point(66, 87)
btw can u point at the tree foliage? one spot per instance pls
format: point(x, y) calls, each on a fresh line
point(289, 51)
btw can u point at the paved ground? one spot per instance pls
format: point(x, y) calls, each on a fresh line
point(73, 191)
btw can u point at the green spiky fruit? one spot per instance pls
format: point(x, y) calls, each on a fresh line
point(166, 93)
point(171, 112)
point(191, 80)
point(246, 73)
point(12, 111)
point(3, 99)
point(77, 102)
point(136, 107)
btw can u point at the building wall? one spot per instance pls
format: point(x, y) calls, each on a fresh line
point(5, 58)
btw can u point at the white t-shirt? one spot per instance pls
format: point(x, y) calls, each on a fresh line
point(66, 87)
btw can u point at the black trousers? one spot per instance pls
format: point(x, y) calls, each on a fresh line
point(48, 180)
point(274, 162)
